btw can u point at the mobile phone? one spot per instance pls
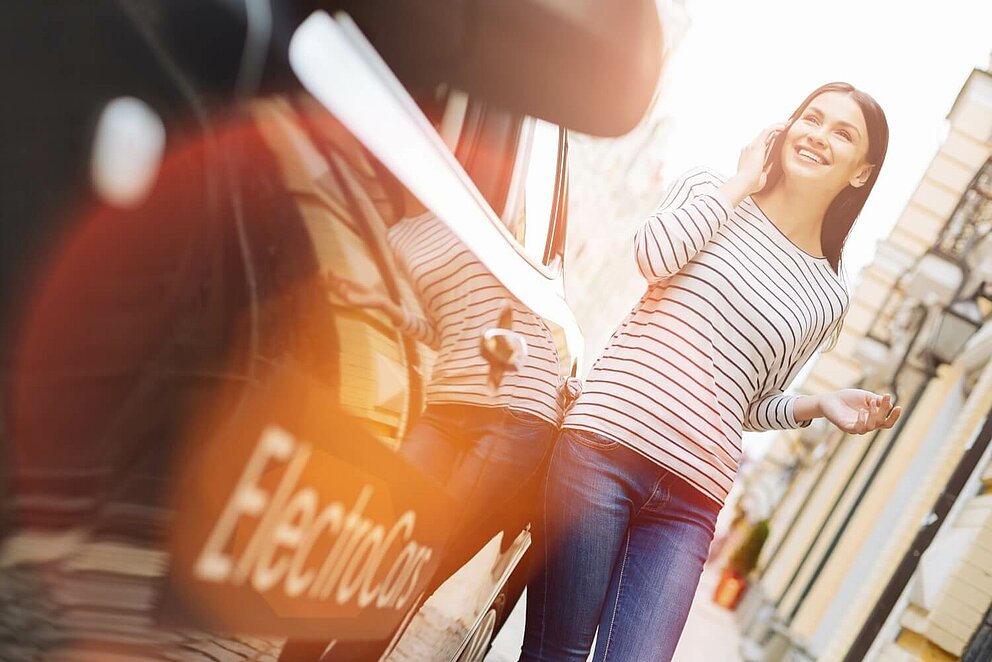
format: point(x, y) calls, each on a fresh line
point(768, 145)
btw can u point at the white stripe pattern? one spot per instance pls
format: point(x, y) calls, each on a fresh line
point(732, 311)
point(461, 299)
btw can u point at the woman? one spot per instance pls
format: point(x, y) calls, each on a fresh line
point(743, 288)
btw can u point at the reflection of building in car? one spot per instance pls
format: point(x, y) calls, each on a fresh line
point(347, 205)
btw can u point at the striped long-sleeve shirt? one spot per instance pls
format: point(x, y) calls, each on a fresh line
point(732, 311)
point(461, 298)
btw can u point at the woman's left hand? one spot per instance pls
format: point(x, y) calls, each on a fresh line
point(857, 411)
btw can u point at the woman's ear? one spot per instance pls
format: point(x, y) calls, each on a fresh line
point(861, 178)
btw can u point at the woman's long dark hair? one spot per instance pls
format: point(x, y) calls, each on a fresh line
point(844, 210)
point(846, 207)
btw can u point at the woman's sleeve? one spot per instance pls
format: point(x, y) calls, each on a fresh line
point(688, 217)
point(773, 410)
point(422, 329)
point(419, 329)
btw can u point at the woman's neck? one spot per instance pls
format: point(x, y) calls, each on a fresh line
point(797, 213)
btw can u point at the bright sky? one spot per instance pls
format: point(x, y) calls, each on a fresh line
point(745, 65)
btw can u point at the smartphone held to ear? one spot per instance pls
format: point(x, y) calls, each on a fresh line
point(769, 145)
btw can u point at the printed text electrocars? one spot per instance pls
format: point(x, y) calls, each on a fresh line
point(289, 525)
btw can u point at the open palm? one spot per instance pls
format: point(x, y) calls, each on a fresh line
point(857, 411)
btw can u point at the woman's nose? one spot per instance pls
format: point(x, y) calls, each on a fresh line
point(818, 137)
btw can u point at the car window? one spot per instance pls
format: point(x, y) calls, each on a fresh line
point(535, 193)
point(518, 164)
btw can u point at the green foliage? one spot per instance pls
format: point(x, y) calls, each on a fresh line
point(745, 557)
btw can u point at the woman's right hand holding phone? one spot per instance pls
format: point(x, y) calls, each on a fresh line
point(752, 166)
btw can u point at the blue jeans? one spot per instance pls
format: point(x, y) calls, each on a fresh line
point(491, 460)
point(624, 542)
point(479, 453)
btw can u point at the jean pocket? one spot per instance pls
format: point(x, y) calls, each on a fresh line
point(591, 440)
point(525, 421)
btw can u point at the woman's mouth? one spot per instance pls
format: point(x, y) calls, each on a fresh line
point(811, 155)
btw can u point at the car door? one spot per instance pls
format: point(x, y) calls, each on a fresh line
point(203, 438)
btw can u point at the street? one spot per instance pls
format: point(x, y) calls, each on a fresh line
point(710, 633)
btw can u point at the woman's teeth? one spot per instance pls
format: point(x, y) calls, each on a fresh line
point(811, 156)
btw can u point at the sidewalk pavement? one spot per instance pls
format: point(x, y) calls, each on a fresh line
point(710, 633)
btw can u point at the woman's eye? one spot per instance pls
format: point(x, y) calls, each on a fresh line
point(811, 119)
point(845, 135)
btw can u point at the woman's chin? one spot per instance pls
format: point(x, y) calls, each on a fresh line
point(805, 171)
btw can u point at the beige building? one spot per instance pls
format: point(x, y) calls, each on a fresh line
point(880, 545)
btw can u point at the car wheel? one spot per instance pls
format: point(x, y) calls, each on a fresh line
point(478, 644)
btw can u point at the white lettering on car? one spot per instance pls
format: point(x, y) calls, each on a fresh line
point(290, 521)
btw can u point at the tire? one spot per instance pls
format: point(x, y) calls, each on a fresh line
point(481, 640)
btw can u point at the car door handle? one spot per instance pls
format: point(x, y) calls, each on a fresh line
point(504, 349)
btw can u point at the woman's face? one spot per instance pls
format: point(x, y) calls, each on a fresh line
point(827, 144)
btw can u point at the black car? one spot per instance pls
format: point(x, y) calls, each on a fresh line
point(203, 436)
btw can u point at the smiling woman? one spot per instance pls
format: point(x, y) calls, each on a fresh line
point(743, 287)
point(845, 134)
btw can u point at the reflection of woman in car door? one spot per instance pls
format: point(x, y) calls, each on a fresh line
point(482, 441)
point(743, 287)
